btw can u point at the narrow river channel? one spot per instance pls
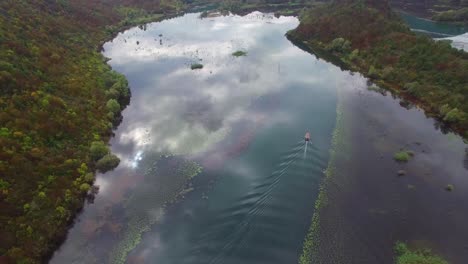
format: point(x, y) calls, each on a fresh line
point(242, 119)
point(214, 167)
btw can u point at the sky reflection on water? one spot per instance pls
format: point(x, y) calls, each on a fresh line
point(210, 114)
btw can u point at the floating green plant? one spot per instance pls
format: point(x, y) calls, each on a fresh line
point(239, 53)
point(422, 256)
point(403, 156)
point(196, 66)
point(130, 238)
point(189, 169)
point(312, 239)
point(166, 179)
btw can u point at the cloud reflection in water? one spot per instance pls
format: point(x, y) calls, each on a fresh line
point(182, 111)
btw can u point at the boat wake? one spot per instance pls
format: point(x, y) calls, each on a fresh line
point(259, 220)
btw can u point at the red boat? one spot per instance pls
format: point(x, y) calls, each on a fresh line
point(307, 136)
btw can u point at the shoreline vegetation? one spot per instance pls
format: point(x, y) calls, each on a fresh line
point(454, 12)
point(60, 102)
point(428, 73)
point(459, 16)
point(383, 57)
point(311, 242)
point(406, 255)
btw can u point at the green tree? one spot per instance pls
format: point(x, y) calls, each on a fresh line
point(454, 116)
point(373, 73)
point(98, 150)
point(85, 187)
point(107, 163)
point(113, 106)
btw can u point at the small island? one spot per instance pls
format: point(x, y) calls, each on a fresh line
point(196, 66)
point(239, 53)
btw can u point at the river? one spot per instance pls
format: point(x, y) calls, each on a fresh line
point(455, 33)
point(214, 167)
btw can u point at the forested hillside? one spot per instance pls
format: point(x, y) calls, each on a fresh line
point(58, 103)
point(443, 10)
point(427, 72)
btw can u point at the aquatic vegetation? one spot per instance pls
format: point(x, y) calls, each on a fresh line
point(196, 66)
point(166, 179)
point(239, 53)
point(419, 256)
point(311, 242)
point(449, 187)
point(131, 238)
point(403, 156)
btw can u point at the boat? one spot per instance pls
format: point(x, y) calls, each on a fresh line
point(307, 137)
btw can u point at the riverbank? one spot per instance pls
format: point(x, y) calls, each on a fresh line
point(54, 88)
point(313, 240)
point(422, 71)
point(60, 102)
point(436, 10)
point(369, 206)
point(242, 118)
point(59, 98)
point(280, 8)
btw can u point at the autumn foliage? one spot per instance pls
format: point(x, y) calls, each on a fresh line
point(57, 97)
point(429, 73)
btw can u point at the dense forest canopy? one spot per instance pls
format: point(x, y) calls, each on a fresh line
point(59, 102)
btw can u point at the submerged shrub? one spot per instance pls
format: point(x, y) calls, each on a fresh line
point(239, 53)
point(403, 156)
point(107, 163)
point(196, 66)
point(419, 256)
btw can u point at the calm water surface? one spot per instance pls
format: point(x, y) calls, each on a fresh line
point(242, 120)
point(433, 28)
